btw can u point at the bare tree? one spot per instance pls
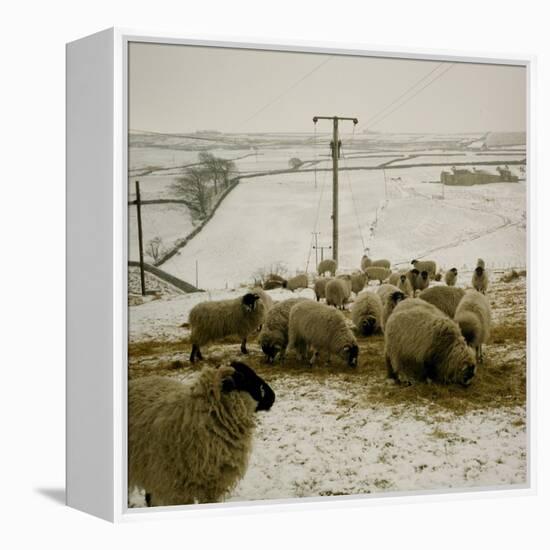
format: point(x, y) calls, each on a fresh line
point(295, 163)
point(194, 185)
point(155, 248)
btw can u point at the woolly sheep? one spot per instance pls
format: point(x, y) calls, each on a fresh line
point(270, 284)
point(327, 265)
point(393, 279)
point(450, 276)
point(480, 280)
point(367, 262)
point(422, 281)
point(264, 297)
point(377, 274)
point(337, 292)
point(473, 316)
point(366, 313)
point(190, 442)
point(319, 287)
point(321, 328)
point(404, 285)
point(217, 319)
point(274, 335)
point(445, 298)
point(385, 290)
point(358, 280)
point(390, 299)
point(422, 343)
point(425, 265)
point(294, 283)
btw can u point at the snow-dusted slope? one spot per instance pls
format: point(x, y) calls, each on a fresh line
point(271, 219)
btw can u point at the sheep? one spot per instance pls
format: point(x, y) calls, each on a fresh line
point(358, 280)
point(393, 279)
point(337, 292)
point(327, 265)
point(450, 276)
point(377, 274)
point(412, 275)
point(366, 313)
point(321, 328)
point(274, 335)
point(217, 319)
point(294, 283)
point(445, 298)
point(190, 442)
point(404, 285)
point(421, 343)
point(422, 281)
point(392, 298)
point(271, 284)
point(367, 262)
point(386, 290)
point(439, 275)
point(473, 316)
point(480, 280)
point(480, 263)
point(264, 297)
point(426, 265)
point(319, 287)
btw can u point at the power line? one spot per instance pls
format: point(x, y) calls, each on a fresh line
point(409, 89)
point(291, 87)
point(414, 95)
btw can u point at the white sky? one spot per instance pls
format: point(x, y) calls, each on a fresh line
point(176, 88)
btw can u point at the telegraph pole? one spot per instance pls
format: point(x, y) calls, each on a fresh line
point(140, 240)
point(335, 155)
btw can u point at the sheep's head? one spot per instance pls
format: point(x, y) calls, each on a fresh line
point(368, 326)
point(249, 301)
point(425, 275)
point(245, 379)
point(396, 297)
point(414, 262)
point(270, 347)
point(454, 270)
point(479, 271)
point(349, 353)
point(415, 272)
point(403, 278)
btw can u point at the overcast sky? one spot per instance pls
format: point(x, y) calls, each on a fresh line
point(185, 88)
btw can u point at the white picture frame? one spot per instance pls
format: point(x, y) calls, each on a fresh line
point(97, 259)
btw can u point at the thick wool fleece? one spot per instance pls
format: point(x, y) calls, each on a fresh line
point(421, 343)
point(445, 298)
point(366, 313)
point(188, 442)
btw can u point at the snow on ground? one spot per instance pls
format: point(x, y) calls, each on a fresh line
point(337, 431)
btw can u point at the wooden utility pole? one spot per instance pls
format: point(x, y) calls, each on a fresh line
point(140, 239)
point(335, 154)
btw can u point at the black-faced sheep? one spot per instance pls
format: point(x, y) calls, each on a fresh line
point(390, 298)
point(425, 265)
point(367, 262)
point(473, 316)
point(421, 343)
point(264, 297)
point(445, 298)
point(450, 276)
point(480, 280)
point(379, 274)
point(273, 338)
point(366, 313)
point(337, 292)
point(294, 283)
point(404, 285)
point(217, 319)
point(422, 281)
point(327, 265)
point(190, 442)
point(322, 329)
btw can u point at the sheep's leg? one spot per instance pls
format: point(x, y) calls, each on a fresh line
point(148, 499)
point(243, 346)
point(313, 357)
point(389, 369)
point(195, 352)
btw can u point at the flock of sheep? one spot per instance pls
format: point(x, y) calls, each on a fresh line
point(191, 442)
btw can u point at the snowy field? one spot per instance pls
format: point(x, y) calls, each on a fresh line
point(337, 431)
point(332, 430)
